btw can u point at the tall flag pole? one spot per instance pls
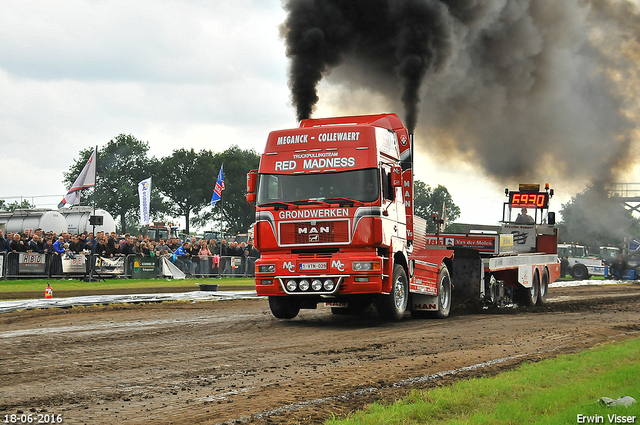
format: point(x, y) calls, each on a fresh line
point(87, 178)
point(217, 196)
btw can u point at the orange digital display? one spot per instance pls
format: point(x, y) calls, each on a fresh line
point(528, 200)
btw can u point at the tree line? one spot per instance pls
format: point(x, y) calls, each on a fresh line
point(181, 183)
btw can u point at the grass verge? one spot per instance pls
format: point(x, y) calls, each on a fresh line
point(553, 391)
point(37, 285)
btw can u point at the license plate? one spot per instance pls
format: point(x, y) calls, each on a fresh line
point(313, 266)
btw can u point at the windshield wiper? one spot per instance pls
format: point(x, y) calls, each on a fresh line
point(310, 201)
point(278, 204)
point(342, 201)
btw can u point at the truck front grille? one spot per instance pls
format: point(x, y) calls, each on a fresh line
point(311, 233)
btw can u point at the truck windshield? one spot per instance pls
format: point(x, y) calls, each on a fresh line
point(359, 185)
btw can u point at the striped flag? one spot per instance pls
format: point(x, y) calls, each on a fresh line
point(87, 178)
point(217, 191)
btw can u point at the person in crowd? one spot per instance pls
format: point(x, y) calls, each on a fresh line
point(151, 247)
point(56, 258)
point(205, 258)
point(24, 238)
point(163, 248)
point(128, 248)
point(183, 259)
point(111, 246)
point(112, 243)
point(4, 244)
point(194, 250)
point(225, 263)
point(48, 246)
point(91, 243)
point(59, 245)
point(124, 241)
point(174, 244)
point(36, 244)
point(144, 249)
point(75, 245)
point(67, 252)
point(102, 247)
point(17, 244)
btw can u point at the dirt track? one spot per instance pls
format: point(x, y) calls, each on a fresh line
point(231, 361)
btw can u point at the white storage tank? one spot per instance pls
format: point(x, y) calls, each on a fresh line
point(23, 220)
point(78, 220)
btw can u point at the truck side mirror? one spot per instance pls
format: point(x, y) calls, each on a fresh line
point(252, 177)
point(396, 176)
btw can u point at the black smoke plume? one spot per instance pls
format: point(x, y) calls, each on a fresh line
point(524, 89)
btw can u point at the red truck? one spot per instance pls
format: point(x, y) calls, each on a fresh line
point(335, 225)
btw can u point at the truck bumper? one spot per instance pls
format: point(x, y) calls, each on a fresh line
point(333, 277)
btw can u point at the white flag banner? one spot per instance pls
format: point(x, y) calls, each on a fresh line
point(144, 190)
point(87, 178)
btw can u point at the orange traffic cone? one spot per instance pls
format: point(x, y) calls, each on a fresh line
point(48, 292)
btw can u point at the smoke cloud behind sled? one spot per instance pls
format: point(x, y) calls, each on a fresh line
point(524, 89)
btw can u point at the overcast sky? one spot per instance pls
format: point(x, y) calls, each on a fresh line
point(193, 74)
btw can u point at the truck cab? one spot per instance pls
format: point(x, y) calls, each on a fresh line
point(334, 217)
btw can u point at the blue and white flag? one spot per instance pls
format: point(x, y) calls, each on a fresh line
point(144, 190)
point(217, 191)
point(87, 178)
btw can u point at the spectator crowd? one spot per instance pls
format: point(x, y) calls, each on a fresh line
point(193, 257)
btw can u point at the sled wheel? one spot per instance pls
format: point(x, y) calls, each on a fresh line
point(544, 288)
point(529, 296)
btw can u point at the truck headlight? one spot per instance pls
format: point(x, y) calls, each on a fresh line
point(266, 268)
point(304, 285)
point(365, 265)
point(329, 284)
point(316, 285)
point(291, 285)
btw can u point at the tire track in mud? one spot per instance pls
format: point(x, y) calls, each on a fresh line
point(226, 361)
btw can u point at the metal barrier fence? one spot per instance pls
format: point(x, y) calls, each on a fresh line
point(15, 265)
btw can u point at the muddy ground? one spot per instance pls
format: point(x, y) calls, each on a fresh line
point(232, 362)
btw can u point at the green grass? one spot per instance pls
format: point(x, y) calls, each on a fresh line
point(38, 285)
point(551, 392)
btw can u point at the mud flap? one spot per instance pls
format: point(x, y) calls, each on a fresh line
point(421, 302)
point(468, 275)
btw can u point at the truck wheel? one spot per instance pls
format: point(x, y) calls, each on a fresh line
point(284, 307)
point(529, 296)
point(394, 305)
point(444, 294)
point(580, 272)
point(544, 288)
